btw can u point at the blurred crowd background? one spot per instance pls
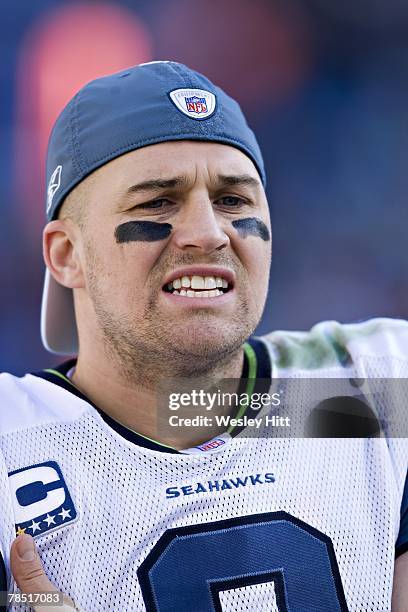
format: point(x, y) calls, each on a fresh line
point(324, 86)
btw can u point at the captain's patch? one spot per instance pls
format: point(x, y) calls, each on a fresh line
point(41, 499)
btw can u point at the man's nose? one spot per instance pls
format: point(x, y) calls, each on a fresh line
point(198, 227)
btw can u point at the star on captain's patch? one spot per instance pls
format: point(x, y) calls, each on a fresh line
point(20, 531)
point(50, 519)
point(34, 527)
point(64, 514)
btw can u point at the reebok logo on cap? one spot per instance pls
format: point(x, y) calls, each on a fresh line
point(53, 185)
point(195, 103)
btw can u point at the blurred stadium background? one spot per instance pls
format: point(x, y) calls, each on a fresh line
point(324, 85)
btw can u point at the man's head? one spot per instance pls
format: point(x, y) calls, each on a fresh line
point(131, 225)
point(176, 213)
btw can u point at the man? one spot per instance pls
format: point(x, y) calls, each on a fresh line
point(158, 248)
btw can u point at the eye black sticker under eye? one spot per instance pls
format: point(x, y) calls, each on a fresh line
point(252, 226)
point(144, 231)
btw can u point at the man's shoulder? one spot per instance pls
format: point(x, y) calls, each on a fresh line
point(330, 344)
point(30, 400)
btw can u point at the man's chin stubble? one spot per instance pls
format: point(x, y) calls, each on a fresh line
point(155, 351)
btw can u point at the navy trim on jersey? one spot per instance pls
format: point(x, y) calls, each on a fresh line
point(126, 433)
point(263, 377)
point(263, 372)
point(264, 366)
point(401, 545)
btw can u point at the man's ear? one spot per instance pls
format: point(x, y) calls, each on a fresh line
point(61, 251)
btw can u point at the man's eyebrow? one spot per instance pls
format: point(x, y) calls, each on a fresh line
point(238, 179)
point(156, 184)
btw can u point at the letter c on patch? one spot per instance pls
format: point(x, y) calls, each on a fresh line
point(36, 491)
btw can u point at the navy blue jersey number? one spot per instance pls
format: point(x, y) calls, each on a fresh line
point(189, 566)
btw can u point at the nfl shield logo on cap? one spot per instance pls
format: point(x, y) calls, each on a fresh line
point(195, 103)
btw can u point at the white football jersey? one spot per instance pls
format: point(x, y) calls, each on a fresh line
point(263, 523)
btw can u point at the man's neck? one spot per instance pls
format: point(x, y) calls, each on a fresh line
point(142, 404)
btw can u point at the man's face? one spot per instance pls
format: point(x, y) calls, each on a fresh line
point(164, 224)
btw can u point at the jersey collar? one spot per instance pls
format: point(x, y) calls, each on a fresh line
point(256, 374)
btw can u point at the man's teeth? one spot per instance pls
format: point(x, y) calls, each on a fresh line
point(208, 286)
point(199, 294)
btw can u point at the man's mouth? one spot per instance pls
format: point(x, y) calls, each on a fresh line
point(198, 286)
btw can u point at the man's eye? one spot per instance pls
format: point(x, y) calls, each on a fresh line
point(231, 201)
point(160, 203)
